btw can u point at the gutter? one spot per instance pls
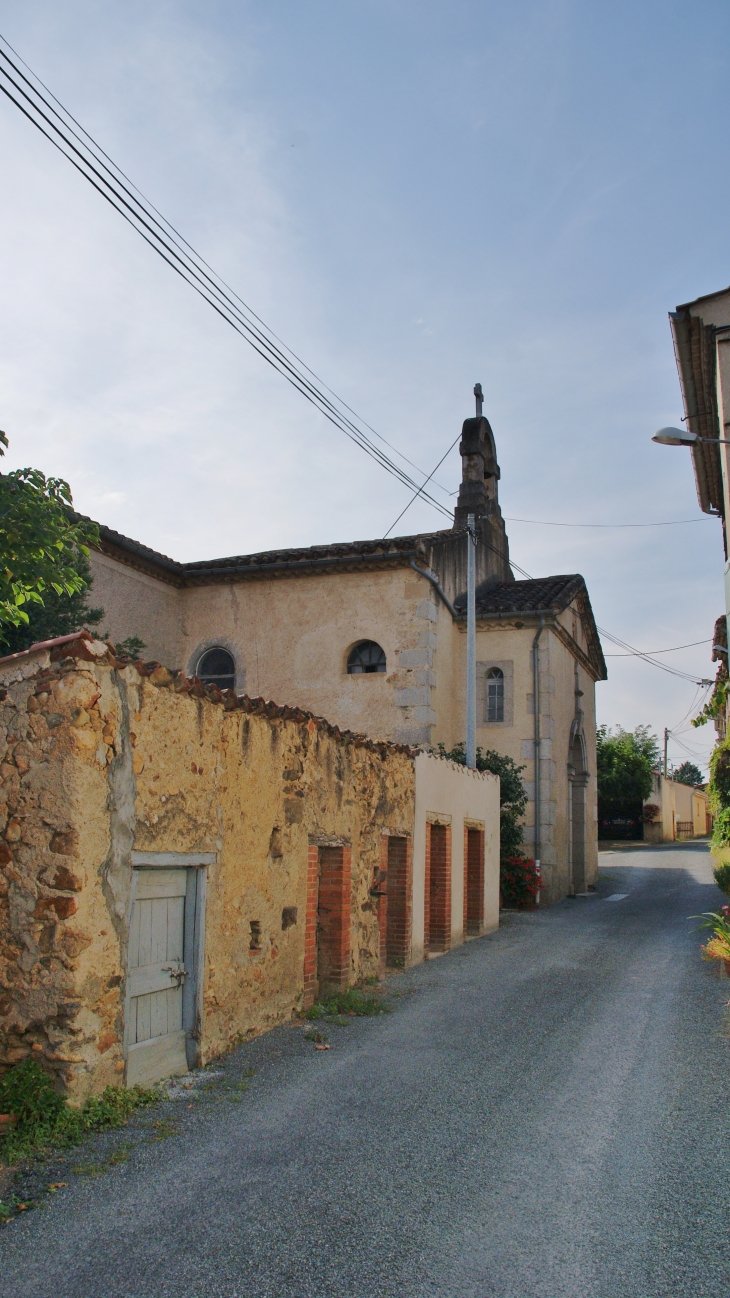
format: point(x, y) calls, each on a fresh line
point(536, 698)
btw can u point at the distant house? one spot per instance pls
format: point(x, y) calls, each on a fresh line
point(681, 811)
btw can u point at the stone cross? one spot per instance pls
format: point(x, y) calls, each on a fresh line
point(479, 396)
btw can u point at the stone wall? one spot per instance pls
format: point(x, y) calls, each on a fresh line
point(103, 757)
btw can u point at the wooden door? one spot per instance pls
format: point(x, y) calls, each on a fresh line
point(156, 973)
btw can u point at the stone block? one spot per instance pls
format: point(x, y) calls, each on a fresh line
point(415, 657)
point(414, 735)
point(424, 716)
point(426, 611)
point(416, 696)
point(425, 677)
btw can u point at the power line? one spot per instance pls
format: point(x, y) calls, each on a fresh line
point(111, 183)
point(428, 479)
point(674, 650)
point(541, 522)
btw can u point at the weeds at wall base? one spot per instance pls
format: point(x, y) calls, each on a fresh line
point(46, 1122)
point(351, 1003)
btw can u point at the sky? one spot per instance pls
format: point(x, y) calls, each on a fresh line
point(415, 197)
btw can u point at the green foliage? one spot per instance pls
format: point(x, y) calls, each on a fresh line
point(27, 1092)
point(130, 648)
point(57, 615)
point(352, 1002)
point(512, 795)
point(721, 828)
point(688, 773)
point(39, 541)
point(722, 877)
point(46, 1120)
point(519, 882)
point(624, 762)
point(720, 776)
point(716, 702)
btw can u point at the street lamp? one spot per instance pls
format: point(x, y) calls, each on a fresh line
point(684, 437)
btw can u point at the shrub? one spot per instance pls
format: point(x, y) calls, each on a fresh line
point(722, 877)
point(721, 829)
point(45, 1119)
point(519, 882)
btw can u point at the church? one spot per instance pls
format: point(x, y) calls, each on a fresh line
point(372, 636)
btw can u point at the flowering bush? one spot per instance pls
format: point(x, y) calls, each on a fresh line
point(519, 881)
point(650, 813)
point(718, 946)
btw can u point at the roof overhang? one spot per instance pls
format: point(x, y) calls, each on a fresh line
point(695, 352)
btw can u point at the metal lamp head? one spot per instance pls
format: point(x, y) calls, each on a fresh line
point(675, 437)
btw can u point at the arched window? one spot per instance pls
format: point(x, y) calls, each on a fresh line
point(366, 657)
point(495, 694)
point(216, 667)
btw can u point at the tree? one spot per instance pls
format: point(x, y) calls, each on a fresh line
point(57, 615)
point(688, 773)
point(624, 762)
point(40, 543)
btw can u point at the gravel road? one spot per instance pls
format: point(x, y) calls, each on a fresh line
point(543, 1115)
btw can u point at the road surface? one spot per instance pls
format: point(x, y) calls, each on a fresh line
point(544, 1114)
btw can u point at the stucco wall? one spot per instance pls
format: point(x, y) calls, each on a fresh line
point(292, 637)
point(455, 796)
point(136, 604)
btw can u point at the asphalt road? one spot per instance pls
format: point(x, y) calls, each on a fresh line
point(543, 1115)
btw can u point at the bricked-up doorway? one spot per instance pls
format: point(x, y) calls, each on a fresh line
point(473, 881)
point(437, 928)
point(333, 920)
point(398, 918)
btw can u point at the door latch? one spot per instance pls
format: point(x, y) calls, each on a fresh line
point(176, 971)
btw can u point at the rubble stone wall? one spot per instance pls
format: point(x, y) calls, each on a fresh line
point(103, 757)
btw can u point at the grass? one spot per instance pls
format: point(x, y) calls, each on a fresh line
point(116, 1157)
point(351, 1003)
point(10, 1208)
point(46, 1121)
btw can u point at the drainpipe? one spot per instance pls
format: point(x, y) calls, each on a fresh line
point(536, 697)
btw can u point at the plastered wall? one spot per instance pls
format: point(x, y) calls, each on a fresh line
point(452, 795)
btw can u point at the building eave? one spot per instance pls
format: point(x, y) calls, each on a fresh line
point(694, 350)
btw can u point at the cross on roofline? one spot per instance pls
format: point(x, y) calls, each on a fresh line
point(479, 396)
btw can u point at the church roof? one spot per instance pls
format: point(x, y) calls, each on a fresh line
point(543, 595)
point(537, 595)
point(356, 553)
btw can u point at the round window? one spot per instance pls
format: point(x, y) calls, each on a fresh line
point(216, 667)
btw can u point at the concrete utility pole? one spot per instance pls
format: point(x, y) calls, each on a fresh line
point(471, 641)
point(666, 745)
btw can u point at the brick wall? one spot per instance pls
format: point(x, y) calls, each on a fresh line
point(333, 919)
point(438, 888)
point(473, 881)
point(399, 865)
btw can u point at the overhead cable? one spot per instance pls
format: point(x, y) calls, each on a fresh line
point(82, 151)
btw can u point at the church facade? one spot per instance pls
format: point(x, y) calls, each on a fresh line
point(371, 635)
